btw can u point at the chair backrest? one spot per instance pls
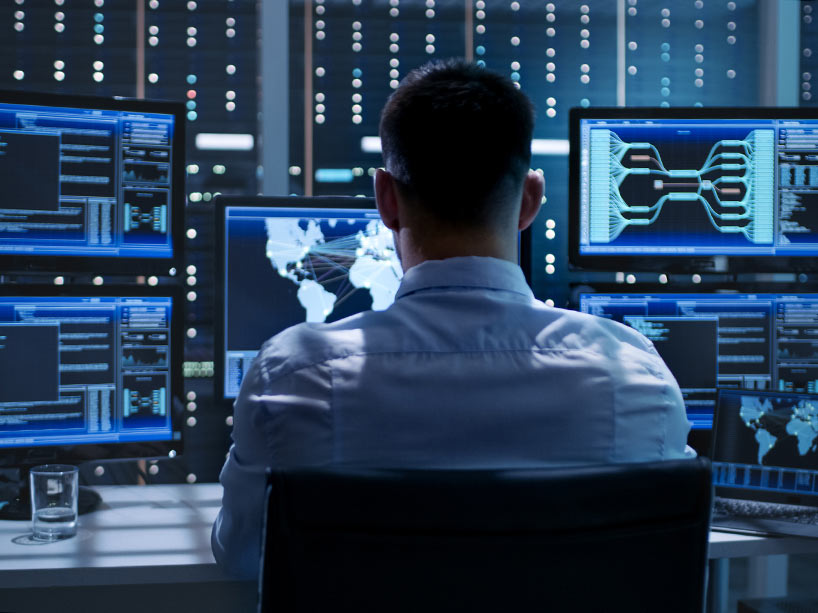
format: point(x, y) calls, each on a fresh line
point(603, 538)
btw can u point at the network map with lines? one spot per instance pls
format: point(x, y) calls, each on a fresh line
point(734, 187)
point(285, 266)
point(330, 259)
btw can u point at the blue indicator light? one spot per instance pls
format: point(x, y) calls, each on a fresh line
point(334, 175)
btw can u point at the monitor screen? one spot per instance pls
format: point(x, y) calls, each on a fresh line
point(684, 185)
point(747, 341)
point(89, 373)
point(764, 443)
point(291, 260)
point(87, 181)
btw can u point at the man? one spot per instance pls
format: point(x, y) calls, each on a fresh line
point(466, 369)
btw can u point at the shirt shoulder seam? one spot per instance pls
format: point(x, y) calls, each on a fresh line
point(315, 363)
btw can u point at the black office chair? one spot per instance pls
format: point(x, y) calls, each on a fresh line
point(604, 538)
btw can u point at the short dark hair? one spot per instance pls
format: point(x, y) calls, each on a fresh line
point(457, 137)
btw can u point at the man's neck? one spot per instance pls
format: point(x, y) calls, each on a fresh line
point(462, 244)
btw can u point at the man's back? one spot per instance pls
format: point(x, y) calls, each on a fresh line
point(466, 369)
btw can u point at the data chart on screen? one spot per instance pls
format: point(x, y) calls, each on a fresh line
point(710, 341)
point(85, 370)
point(86, 182)
point(675, 186)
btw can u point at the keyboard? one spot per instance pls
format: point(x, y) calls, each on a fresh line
point(752, 508)
point(765, 517)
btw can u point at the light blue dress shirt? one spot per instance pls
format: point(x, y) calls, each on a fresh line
point(465, 370)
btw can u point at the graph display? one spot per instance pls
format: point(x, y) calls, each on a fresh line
point(671, 186)
point(710, 341)
point(284, 266)
point(84, 370)
point(85, 181)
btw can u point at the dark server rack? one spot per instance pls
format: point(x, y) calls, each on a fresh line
point(563, 54)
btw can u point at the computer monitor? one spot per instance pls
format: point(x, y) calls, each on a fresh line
point(693, 189)
point(284, 261)
point(764, 446)
point(90, 184)
point(89, 374)
point(731, 340)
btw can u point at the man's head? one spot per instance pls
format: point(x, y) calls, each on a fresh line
point(456, 142)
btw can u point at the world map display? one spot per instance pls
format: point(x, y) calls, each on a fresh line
point(773, 422)
point(329, 259)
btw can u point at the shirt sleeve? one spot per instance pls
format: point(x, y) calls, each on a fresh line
point(236, 535)
point(281, 418)
point(651, 420)
point(677, 426)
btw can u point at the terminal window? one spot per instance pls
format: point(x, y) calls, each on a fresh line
point(698, 187)
point(759, 341)
point(84, 370)
point(84, 182)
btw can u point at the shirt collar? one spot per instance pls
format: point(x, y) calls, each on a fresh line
point(464, 272)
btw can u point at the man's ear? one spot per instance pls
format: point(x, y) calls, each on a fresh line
point(386, 199)
point(533, 189)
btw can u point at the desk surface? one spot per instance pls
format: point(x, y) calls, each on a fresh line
point(730, 545)
point(161, 534)
point(140, 534)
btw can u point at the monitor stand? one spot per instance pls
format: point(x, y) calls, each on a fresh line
point(19, 507)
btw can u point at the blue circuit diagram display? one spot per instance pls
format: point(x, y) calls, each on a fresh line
point(90, 370)
point(85, 182)
point(699, 187)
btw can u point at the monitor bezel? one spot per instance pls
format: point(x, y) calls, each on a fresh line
point(221, 202)
point(93, 452)
point(681, 263)
point(107, 264)
point(715, 290)
point(724, 491)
